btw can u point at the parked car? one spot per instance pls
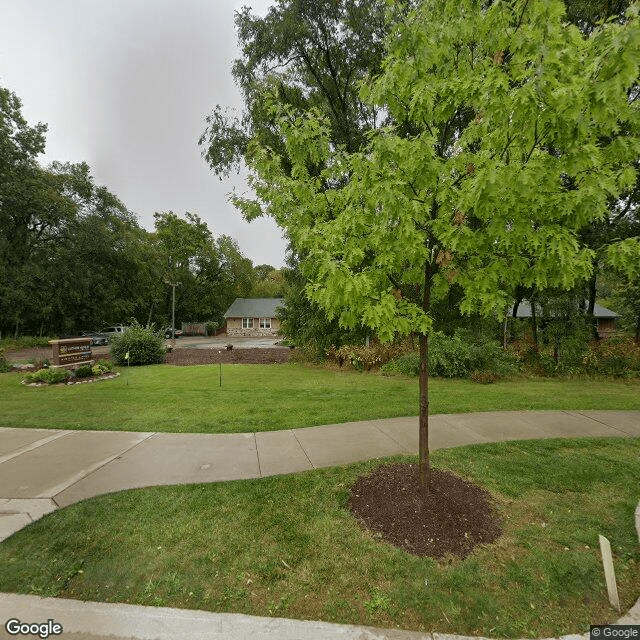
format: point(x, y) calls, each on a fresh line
point(111, 330)
point(167, 332)
point(97, 339)
point(106, 333)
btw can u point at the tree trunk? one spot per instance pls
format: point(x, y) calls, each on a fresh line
point(591, 305)
point(150, 312)
point(423, 446)
point(534, 323)
point(423, 424)
point(638, 329)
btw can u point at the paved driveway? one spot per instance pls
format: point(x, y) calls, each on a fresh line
point(217, 342)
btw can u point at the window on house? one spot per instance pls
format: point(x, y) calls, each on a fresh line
point(265, 323)
point(247, 323)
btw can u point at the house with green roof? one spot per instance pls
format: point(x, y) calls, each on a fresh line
point(605, 318)
point(253, 317)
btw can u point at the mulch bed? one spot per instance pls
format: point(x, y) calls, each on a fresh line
point(185, 357)
point(457, 515)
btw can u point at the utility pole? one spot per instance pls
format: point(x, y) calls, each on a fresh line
point(173, 285)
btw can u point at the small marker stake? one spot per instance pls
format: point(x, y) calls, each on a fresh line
point(609, 573)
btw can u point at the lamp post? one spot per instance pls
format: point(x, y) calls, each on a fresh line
point(173, 285)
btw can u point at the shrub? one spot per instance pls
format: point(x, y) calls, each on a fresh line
point(457, 356)
point(462, 354)
point(5, 365)
point(212, 327)
point(407, 364)
point(307, 354)
point(144, 346)
point(101, 367)
point(25, 342)
point(83, 371)
point(50, 376)
point(614, 356)
point(484, 377)
point(363, 358)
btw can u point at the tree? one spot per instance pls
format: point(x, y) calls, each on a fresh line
point(314, 55)
point(212, 271)
point(510, 132)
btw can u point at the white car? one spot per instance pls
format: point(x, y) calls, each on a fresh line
point(110, 331)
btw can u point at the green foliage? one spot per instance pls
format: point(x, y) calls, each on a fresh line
point(458, 356)
point(25, 342)
point(316, 54)
point(212, 327)
point(99, 368)
point(83, 371)
point(462, 354)
point(5, 365)
point(50, 376)
point(144, 346)
point(362, 357)
point(492, 205)
point(614, 356)
point(407, 364)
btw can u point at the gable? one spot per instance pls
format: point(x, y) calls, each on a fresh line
point(254, 308)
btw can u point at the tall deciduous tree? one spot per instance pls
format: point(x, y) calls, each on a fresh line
point(511, 133)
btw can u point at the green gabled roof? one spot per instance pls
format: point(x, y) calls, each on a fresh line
point(524, 311)
point(254, 308)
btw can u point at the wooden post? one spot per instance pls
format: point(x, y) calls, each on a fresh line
point(609, 573)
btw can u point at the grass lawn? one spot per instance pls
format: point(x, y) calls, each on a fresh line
point(272, 397)
point(287, 546)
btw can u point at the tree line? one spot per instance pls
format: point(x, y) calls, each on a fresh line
point(73, 257)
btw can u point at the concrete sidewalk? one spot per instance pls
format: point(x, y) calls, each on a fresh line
point(41, 470)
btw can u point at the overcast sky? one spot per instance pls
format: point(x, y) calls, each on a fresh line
point(125, 85)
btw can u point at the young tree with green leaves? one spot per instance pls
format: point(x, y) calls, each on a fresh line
point(510, 133)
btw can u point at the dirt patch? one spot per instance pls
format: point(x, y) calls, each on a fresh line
point(457, 516)
point(185, 357)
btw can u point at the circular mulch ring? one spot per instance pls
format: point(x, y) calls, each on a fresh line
point(457, 515)
point(271, 355)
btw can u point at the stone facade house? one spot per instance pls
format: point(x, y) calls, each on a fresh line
point(253, 317)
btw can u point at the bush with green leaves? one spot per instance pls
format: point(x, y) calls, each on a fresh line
point(407, 364)
point(50, 376)
point(25, 342)
point(457, 356)
point(5, 365)
point(460, 355)
point(614, 356)
point(83, 371)
point(144, 346)
point(101, 367)
point(363, 357)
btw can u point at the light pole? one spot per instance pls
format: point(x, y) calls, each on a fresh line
point(173, 285)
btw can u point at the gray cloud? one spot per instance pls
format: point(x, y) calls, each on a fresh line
point(126, 86)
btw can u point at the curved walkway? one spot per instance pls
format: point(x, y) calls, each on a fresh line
point(41, 470)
